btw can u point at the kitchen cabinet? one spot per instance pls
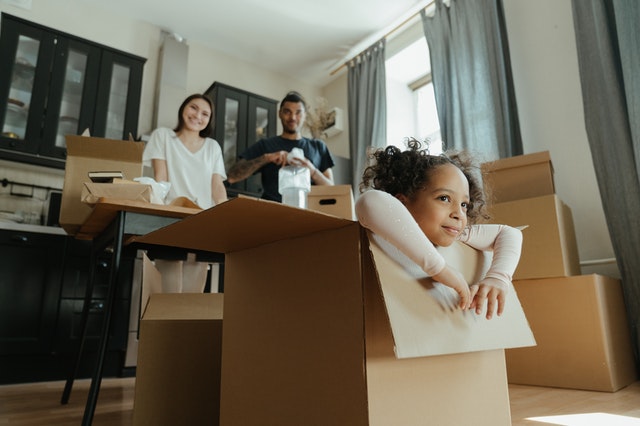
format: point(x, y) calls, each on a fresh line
point(30, 279)
point(53, 84)
point(43, 279)
point(241, 119)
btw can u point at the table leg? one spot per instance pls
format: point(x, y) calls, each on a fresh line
point(94, 390)
point(84, 318)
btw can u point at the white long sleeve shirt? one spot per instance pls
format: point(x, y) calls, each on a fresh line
point(387, 217)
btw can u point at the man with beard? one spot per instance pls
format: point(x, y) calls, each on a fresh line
point(268, 155)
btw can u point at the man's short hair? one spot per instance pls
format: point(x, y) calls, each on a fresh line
point(294, 96)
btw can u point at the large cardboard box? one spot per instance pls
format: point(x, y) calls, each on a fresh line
point(323, 327)
point(549, 247)
point(85, 154)
point(519, 177)
point(582, 331)
point(179, 356)
point(332, 199)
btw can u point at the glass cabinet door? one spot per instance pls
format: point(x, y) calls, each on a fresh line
point(230, 140)
point(25, 54)
point(71, 100)
point(117, 102)
point(14, 124)
point(117, 105)
point(262, 124)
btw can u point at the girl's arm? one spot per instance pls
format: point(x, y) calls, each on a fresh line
point(387, 217)
point(506, 244)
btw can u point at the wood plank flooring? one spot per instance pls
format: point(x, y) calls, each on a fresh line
point(38, 404)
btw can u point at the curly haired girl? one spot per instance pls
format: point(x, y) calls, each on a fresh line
point(417, 202)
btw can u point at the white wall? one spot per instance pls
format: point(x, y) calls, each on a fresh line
point(336, 95)
point(547, 82)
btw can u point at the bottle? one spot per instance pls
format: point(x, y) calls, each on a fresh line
point(294, 182)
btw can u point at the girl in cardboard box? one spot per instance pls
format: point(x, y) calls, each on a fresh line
point(417, 202)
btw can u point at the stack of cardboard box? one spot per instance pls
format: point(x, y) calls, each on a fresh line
point(579, 321)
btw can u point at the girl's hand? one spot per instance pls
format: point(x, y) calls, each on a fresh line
point(454, 279)
point(491, 290)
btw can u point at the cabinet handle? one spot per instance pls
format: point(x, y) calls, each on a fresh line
point(20, 239)
point(96, 307)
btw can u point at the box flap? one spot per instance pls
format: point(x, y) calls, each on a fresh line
point(423, 314)
point(242, 223)
point(105, 149)
point(517, 161)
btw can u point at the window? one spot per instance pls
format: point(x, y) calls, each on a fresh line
point(411, 107)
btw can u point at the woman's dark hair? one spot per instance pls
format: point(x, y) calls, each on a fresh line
point(407, 172)
point(206, 132)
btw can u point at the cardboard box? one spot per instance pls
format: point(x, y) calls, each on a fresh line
point(85, 154)
point(92, 192)
point(336, 200)
point(519, 177)
point(582, 331)
point(322, 327)
point(549, 247)
point(179, 357)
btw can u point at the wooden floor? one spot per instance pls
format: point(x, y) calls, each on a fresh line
point(39, 404)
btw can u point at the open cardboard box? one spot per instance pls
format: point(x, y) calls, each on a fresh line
point(85, 154)
point(321, 326)
point(178, 370)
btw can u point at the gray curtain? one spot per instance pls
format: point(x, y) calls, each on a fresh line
point(609, 60)
point(367, 99)
point(472, 81)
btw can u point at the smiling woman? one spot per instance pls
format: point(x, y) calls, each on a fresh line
point(191, 162)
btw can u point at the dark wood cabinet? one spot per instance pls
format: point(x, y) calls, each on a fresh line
point(53, 84)
point(30, 279)
point(241, 119)
point(43, 279)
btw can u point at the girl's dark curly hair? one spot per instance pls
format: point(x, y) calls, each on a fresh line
point(407, 172)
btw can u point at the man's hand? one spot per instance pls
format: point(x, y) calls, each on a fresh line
point(304, 162)
point(279, 158)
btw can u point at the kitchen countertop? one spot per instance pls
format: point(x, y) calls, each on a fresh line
point(23, 227)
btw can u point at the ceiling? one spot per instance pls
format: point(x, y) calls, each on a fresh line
point(305, 39)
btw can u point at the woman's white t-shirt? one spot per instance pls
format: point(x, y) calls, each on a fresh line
point(188, 172)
